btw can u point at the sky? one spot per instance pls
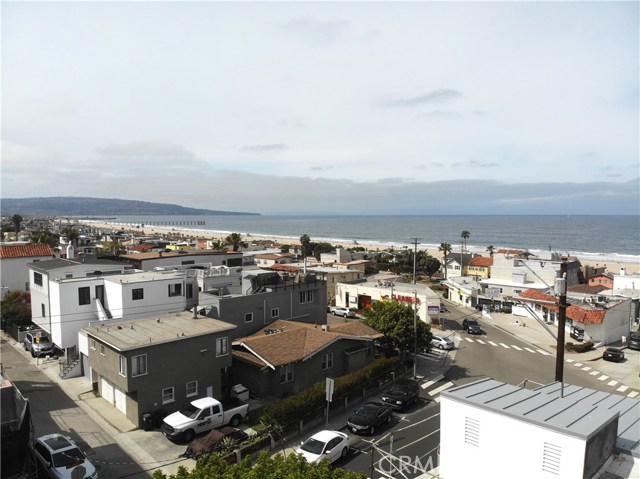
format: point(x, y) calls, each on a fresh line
point(325, 107)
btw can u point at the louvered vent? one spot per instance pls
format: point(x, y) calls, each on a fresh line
point(472, 431)
point(551, 458)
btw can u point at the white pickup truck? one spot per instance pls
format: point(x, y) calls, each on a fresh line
point(202, 415)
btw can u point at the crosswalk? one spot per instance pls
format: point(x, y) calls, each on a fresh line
point(437, 387)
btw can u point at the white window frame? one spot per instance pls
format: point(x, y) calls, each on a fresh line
point(248, 317)
point(168, 395)
point(193, 386)
point(222, 346)
point(37, 278)
point(92, 344)
point(327, 361)
point(122, 365)
point(173, 290)
point(287, 377)
point(135, 367)
point(306, 296)
point(275, 312)
point(103, 350)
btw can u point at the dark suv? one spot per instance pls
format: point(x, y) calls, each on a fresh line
point(634, 341)
point(38, 343)
point(402, 394)
point(471, 326)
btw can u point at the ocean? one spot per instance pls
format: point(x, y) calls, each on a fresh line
point(596, 238)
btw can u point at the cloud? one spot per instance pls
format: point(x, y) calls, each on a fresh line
point(442, 95)
point(321, 168)
point(316, 33)
point(293, 122)
point(265, 148)
point(483, 164)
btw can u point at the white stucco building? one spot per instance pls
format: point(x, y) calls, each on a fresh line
point(14, 258)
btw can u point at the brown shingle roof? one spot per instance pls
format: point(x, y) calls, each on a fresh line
point(291, 341)
point(575, 313)
point(586, 289)
point(25, 251)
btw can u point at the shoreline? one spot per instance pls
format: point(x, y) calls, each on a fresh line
point(612, 261)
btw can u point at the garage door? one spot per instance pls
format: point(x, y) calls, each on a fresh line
point(106, 389)
point(121, 401)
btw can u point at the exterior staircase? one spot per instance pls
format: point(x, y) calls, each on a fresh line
point(67, 364)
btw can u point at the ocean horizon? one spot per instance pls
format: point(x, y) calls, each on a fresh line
point(593, 237)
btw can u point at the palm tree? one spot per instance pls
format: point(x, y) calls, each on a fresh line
point(16, 220)
point(305, 241)
point(445, 248)
point(71, 234)
point(235, 240)
point(465, 235)
point(491, 249)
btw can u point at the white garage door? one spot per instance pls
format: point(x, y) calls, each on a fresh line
point(106, 389)
point(121, 401)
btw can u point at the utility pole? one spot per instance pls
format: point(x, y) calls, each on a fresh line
point(415, 242)
point(415, 333)
point(561, 291)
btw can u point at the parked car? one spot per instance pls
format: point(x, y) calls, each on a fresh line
point(443, 309)
point(202, 415)
point(471, 326)
point(402, 394)
point(613, 354)
point(343, 311)
point(442, 342)
point(38, 343)
point(214, 441)
point(330, 444)
point(369, 416)
point(576, 333)
point(634, 341)
point(61, 458)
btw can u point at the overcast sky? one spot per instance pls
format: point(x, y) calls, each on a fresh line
point(350, 107)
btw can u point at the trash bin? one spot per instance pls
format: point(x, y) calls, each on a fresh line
point(148, 422)
point(240, 392)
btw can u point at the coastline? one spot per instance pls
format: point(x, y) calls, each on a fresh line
point(613, 265)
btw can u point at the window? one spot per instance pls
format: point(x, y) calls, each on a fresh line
point(248, 317)
point(103, 350)
point(222, 346)
point(286, 373)
point(306, 297)
point(139, 365)
point(175, 289)
point(517, 291)
point(84, 295)
point(190, 291)
point(137, 293)
point(192, 388)
point(122, 365)
point(327, 361)
point(93, 344)
point(275, 313)
point(43, 310)
point(37, 278)
point(168, 395)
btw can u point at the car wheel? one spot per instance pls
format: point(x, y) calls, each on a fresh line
point(33, 355)
point(344, 452)
point(372, 429)
point(335, 314)
point(188, 435)
point(440, 347)
point(235, 421)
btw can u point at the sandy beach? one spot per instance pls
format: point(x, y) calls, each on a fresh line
point(174, 233)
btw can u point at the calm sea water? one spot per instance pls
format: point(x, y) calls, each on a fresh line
point(613, 238)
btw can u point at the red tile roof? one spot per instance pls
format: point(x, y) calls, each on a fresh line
point(575, 313)
point(481, 261)
point(509, 251)
point(25, 251)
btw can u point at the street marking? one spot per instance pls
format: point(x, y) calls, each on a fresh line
point(632, 394)
point(612, 383)
point(603, 377)
point(622, 389)
point(418, 422)
point(492, 343)
point(433, 381)
point(437, 399)
point(578, 365)
point(441, 388)
point(418, 440)
point(516, 347)
point(481, 341)
point(541, 351)
point(504, 345)
point(586, 368)
point(470, 340)
point(530, 350)
point(569, 360)
point(593, 373)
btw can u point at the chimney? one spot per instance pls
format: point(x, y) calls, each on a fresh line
point(325, 327)
point(622, 272)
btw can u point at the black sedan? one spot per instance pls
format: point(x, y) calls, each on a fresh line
point(402, 394)
point(369, 416)
point(613, 354)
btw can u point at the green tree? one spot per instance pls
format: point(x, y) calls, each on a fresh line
point(15, 307)
point(428, 264)
point(491, 249)
point(395, 321)
point(465, 236)
point(305, 241)
point(294, 466)
point(16, 220)
point(321, 247)
point(71, 234)
point(285, 248)
point(235, 241)
point(44, 236)
point(445, 249)
point(112, 248)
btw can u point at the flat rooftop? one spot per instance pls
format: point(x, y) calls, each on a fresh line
point(576, 411)
point(135, 333)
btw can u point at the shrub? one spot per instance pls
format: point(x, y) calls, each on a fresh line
point(583, 347)
point(568, 346)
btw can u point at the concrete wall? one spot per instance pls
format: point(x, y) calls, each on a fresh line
point(14, 273)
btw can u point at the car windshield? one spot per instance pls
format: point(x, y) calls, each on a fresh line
point(313, 446)
point(68, 458)
point(397, 389)
point(365, 411)
point(190, 411)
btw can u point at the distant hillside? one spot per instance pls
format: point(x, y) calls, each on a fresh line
point(74, 206)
